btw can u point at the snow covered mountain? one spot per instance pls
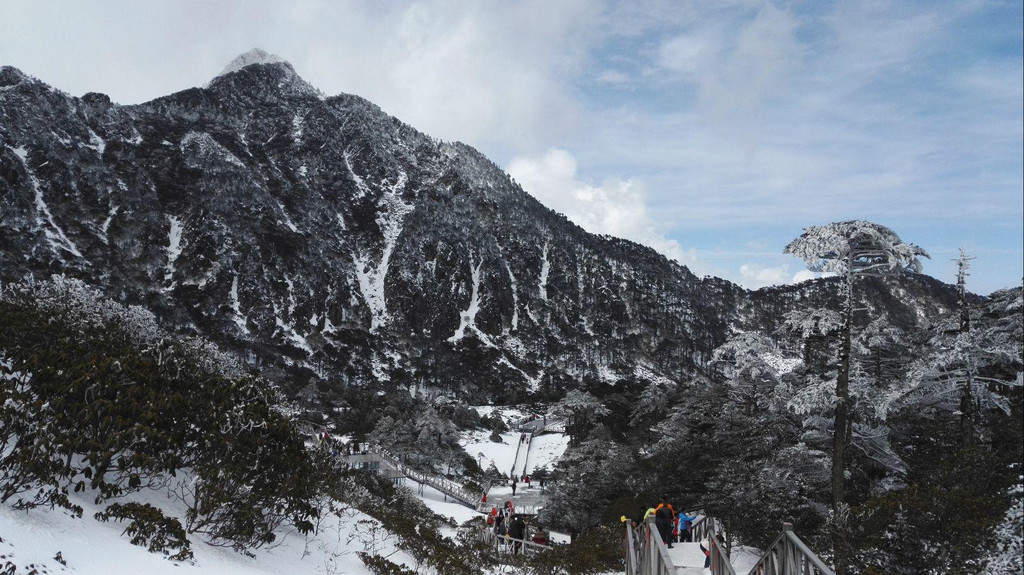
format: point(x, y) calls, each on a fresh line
point(329, 243)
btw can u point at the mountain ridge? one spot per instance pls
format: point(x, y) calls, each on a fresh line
point(328, 241)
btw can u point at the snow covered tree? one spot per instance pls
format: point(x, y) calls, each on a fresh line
point(98, 400)
point(960, 371)
point(588, 477)
point(752, 365)
point(763, 473)
point(420, 435)
point(1008, 555)
point(850, 249)
point(653, 405)
point(582, 410)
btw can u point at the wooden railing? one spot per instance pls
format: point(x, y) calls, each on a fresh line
point(710, 529)
point(515, 462)
point(646, 554)
point(789, 556)
point(631, 548)
point(482, 505)
point(650, 553)
point(503, 544)
point(720, 562)
point(442, 484)
point(525, 439)
point(556, 426)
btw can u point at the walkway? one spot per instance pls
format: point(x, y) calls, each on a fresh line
point(529, 428)
point(522, 455)
point(687, 558)
point(395, 469)
point(646, 554)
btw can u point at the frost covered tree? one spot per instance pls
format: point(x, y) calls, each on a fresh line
point(98, 400)
point(959, 373)
point(763, 469)
point(850, 249)
point(422, 436)
point(581, 410)
point(589, 476)
point(752, 365)
point(1008, 555)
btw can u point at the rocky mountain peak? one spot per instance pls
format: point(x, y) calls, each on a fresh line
point(10, 76)
point(264, 68)
point(327, 242)
point(254, 56)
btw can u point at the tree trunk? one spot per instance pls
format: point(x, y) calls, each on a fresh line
point(968, 412)
point(840, 432)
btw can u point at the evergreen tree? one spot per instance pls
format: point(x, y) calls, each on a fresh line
point(965, 366)
point(588, 477)
point(582, 411)
point(851, 249)
point(98, 400)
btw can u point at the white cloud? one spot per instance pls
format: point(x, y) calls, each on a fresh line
point(614, 78)
point(753, 275)
point(804, 275)
point(737, 66)
point(616, 207)
point(735, 114)
point(498, 76)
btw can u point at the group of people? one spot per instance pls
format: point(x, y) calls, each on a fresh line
point(328, 442)
point(525, 479)
point(535, 417)
point(510, 528)
point(674, 527)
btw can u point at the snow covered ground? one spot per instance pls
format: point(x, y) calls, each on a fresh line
point(442, 505)
point(486, 452)
point(91, 547)
point(546, 449)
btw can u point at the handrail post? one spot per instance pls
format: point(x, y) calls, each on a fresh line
point(786, 565)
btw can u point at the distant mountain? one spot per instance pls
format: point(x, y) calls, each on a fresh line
point(328, 243)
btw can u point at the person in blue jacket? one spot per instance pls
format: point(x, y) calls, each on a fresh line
point(685, 523)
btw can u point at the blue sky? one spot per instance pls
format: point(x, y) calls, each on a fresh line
point(711, 131)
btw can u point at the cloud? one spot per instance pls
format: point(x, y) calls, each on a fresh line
point(616, 207)
point(498, 76)
point(737, 66)
point(721, 116)
point(804, 275)
point(758, 275)
point(614, 78)
point(753, 276)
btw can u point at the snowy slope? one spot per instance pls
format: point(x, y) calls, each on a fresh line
point(93, 548)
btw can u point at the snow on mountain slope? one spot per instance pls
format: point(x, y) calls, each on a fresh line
point(546, 450)
point(416, 258)
point(254, 56)
point(90, 547)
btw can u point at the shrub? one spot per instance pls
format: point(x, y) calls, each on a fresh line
point(148, 527)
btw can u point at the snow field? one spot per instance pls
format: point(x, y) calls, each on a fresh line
point(92, 547)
